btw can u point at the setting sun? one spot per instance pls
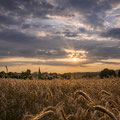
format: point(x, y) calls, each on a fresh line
point(74, 59)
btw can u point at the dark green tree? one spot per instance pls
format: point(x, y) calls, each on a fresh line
point(12, 75)
point(112, 73)
point(2, 74)
point(26, 75)
point(106, 73)
point(119, 73)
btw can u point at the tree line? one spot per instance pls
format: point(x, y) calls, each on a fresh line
point(23, 75)
point(106, 73)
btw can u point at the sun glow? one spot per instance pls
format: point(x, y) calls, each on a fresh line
point(75, 60)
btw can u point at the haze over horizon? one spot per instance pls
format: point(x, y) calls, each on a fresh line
point(59, 35)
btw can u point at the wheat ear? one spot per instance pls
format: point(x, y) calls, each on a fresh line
point(69, 117)
point(44, 114)
point(28, 117)
point(105, 92)
point(63, 115)
point(79, 92)
point(104, 110)
point(59, 104)
point(49, 108)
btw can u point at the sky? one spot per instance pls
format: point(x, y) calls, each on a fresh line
point(59, 35)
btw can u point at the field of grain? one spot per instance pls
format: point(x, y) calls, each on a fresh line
point(84, 99)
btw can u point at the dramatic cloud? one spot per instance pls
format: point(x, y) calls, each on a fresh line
point(52, 32)
point(114, 33)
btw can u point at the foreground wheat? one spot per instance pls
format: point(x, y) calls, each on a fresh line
point(104, 110)
point(80, 92)
point(44, 114)
point(56, 99)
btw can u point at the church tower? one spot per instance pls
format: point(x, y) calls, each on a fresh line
point(39, 74)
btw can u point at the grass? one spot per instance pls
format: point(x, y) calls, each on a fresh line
point(56, 99)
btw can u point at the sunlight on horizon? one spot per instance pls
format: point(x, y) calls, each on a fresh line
point(75, 59)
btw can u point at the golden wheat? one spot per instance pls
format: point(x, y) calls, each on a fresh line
point(49, 108)
point(105, 92)
point(44, 114)
point(79, 92)
point(56, 99)
point(104, 110)
point(64, 117)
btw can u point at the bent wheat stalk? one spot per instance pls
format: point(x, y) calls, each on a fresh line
point(114, 104)
point(50, 93)
point(44, 114)
point(28, 117)
point(79, 92)
point(69, 117)
point(102, 118)
point(104, 110)
point(49, 108)
point(63, 115)
point(105, 92)
point(60, 104)
point(87, 114)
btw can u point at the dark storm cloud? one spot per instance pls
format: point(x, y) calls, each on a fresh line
point(8, 20)
point(22, 20)
point(52, 53)
point(114, 33)
point(12, 35)
point(82, 30)
point(91, 9)
point(103, 53)
point(26, 7)
point(25, 26)
point(18, 44)
point(90, 5)
point(70, 34)
point(97, 51)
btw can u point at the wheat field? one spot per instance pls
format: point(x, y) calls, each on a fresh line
point(84, 99)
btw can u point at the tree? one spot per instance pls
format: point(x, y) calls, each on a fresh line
point(12, 75)
point(107, 73)
point(26, 75)
point(112, 73)
point(2, 74)
point(119, 73)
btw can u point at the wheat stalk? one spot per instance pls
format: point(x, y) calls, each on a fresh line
point(50, 93)
point(71, 116)
point(44, 114)
point(104, 110)
point(87, 114)
point(28, 117)
point(77, 114)
point(102, 118)
point(105, 92)
point(79, 92)
point(114, 104)
point(60, 104)
point(49, 108)
point(63, 115)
